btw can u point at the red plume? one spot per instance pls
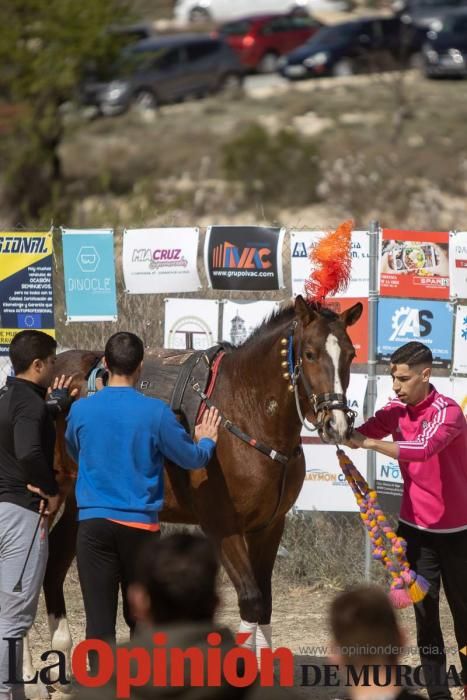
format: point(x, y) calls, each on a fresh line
point(331, 261)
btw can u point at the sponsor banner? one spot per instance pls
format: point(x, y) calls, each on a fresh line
point(325, 486)
point(191, 324)
point(240, 318)
point(301, 243)
point(414, 264)
point(160, 260)
point(359, 331)
point(459, 365)
point(89, 269)
point(458, 264)
point(26, 289)
point(459, 393)
point(389, 484)
point(245, 258)
point(403, 320)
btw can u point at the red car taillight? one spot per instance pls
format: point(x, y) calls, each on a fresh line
point(248, 41)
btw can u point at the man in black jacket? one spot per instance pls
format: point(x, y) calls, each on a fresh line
point(28, 491)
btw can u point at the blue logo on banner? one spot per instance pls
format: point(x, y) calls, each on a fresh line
point(401, 321)
point(29, 321)
point(89, 275)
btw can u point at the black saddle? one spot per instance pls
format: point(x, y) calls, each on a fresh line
point(169, 376)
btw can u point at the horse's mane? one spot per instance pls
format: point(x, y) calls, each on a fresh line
point(270, 324)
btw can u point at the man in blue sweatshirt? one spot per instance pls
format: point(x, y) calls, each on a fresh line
point(119, 438)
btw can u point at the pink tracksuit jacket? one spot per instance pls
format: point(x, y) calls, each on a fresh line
point(432, 439)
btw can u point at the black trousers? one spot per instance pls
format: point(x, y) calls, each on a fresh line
point(439, 557)
point(106, 555)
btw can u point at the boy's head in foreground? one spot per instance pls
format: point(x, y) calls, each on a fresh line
point(175, 581)
point(364, 628)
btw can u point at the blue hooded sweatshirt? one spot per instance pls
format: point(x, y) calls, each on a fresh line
point(119, 439)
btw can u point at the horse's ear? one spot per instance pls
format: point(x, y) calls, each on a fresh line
point(303, 312)
point(351, 316)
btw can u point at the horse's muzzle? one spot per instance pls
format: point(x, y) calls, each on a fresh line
point(336, 425)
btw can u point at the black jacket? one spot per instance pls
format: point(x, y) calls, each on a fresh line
point(27, 441)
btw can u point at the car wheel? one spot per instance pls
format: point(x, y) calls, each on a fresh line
point(199, 15)
point(343, 68)
point(145, 101)
point(268, 63)
point(231, 84)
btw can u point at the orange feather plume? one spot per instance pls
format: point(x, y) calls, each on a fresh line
point(331, 261)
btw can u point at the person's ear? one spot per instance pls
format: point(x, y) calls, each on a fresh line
point(37, 365)
point(335, 657)
point(139, 602)
point(104, 362)
point(426, 374)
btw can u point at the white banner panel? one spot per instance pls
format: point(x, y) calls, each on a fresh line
point(325, 486)
point(459, 364)
point(241, 318)
point(160, 260)
point(190, 324)
point(458, 264)
point(301, 243)
point(459, 393)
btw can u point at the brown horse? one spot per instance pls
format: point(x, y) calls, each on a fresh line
point(241, 498)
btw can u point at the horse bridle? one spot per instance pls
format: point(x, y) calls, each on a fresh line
point(320, 403)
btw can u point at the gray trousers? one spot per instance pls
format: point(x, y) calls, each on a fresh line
point(18, 610)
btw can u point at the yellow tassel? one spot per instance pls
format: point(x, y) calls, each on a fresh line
point(416, 593)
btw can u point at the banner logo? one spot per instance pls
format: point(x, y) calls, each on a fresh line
point(88, 258)
point(160, 257)
point(31, 245)
point(228, 255)
point(408, 322)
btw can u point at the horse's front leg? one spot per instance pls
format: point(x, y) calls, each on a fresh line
point(262, 549)
point(236, 561)
point(36, 690)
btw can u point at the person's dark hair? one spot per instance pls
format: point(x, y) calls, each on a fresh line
point(123, 353)
point(179, 573)
point(364, 625)
point(411, 354)
point(28, 346)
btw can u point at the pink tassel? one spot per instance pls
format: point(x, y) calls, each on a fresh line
point(400, 598)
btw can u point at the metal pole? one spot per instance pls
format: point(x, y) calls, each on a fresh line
point(370, 399)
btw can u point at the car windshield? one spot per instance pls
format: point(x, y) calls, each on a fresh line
point(235, 28)
point(456, 24)
point(328, 35)
point(132, 60)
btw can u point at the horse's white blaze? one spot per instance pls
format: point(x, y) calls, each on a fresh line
point(334, 351)
point(60, 636)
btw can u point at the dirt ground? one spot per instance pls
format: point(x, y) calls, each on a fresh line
point(299, 622)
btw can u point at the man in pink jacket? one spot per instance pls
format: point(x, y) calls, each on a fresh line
point(429, 439)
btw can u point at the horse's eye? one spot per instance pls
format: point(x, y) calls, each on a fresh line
point(309, 356)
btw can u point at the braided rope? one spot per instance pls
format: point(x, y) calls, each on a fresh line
point(407, 586)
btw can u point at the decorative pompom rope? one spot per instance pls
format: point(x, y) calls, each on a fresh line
point(407, 587)
point(331, 261)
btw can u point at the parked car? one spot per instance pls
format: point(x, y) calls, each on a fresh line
point(445, 52)
point(361, 46)
point(165, 69)
point(423, 13)
point(186, 11)
point(260, 40)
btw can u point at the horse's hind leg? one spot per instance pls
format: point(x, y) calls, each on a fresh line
point(262, 550)
point(62, 548)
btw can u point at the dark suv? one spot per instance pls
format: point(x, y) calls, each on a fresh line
point(360, 46)
point(445, 52)
point(164, 69)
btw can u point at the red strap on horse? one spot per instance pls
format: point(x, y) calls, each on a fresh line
point(212, 383)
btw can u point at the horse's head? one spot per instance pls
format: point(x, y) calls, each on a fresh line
point(323, 355)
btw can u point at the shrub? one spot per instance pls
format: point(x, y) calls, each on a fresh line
point(279, 169)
